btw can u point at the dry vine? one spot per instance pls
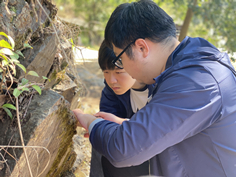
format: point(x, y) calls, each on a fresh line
point(21, 137)
point(39, 147)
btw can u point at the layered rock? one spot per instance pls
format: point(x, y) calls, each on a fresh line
point(47, 122)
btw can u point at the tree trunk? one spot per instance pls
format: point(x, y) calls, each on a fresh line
point(187, 21)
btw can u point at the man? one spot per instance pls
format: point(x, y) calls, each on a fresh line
point(189, 126)
point(121, 96)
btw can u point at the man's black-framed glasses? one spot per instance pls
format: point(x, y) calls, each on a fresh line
point(117, 61)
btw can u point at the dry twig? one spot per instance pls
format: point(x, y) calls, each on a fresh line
point(33, 7)
point(39, 147)
point(21, 137)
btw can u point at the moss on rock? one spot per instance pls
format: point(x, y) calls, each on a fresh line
point(65, 156)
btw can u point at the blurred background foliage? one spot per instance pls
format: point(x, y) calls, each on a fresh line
point(214, 20)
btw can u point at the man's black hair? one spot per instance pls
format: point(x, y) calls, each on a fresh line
point(142, 19)
point(105, 57)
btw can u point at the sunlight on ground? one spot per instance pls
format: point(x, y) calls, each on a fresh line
point(90, 105)
point(234, 64)
point(83, 54)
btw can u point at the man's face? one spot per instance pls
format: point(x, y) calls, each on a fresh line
point(135, 66)
point(118, 80)
point(148, 58)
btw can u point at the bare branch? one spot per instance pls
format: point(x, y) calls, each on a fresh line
point(21, 137)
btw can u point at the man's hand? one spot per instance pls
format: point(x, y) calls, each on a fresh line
point(110, 117)
point(84, 120)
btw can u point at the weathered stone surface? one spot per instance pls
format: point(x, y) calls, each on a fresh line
point(48, 122)
point(6, 17)
point(65, 84)
point(23, 20)
point(83, 150)
point(90, 81)
point(12, 2)
point(43, 60)
point(51, 125)
point(75, 102)
point(18, 19)
point(69, 90)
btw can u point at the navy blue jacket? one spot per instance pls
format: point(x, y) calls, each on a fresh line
point(118, 105)
point(190, 123)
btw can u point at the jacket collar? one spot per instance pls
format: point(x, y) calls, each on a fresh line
point(170, 61)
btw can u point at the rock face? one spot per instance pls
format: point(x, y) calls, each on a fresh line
point(48, 134)
point(49, 126)
point(44, 58)
point(24, 23)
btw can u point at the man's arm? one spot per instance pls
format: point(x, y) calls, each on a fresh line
point(110, 117)
point(84, 120)
point(182, 107)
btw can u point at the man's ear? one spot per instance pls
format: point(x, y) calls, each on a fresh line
point(142, 46)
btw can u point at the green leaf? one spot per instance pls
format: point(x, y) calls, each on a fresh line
point(5, 44)
point(22, 67)
point(10, 39)
point(15, 61)
point(12, 42)
point(73, 45)
point(5, 62)
point(6, 51)
point(3, 34)
point(24, 81)
point(16, 92)
point(15, 56)
point(33, 73)
point(46, 78)
point(71, 40)
point(1, 70)
point(8, 112)
point(26, 45)
point(9, 106)
point(37, 88)
point(19, 53)
point(25, 89)
point(3, 56)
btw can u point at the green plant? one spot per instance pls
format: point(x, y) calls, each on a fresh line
point(5, 108)
point(8, 62)
point(24, 85)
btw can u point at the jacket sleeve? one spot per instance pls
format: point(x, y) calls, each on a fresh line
point(186, 103)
